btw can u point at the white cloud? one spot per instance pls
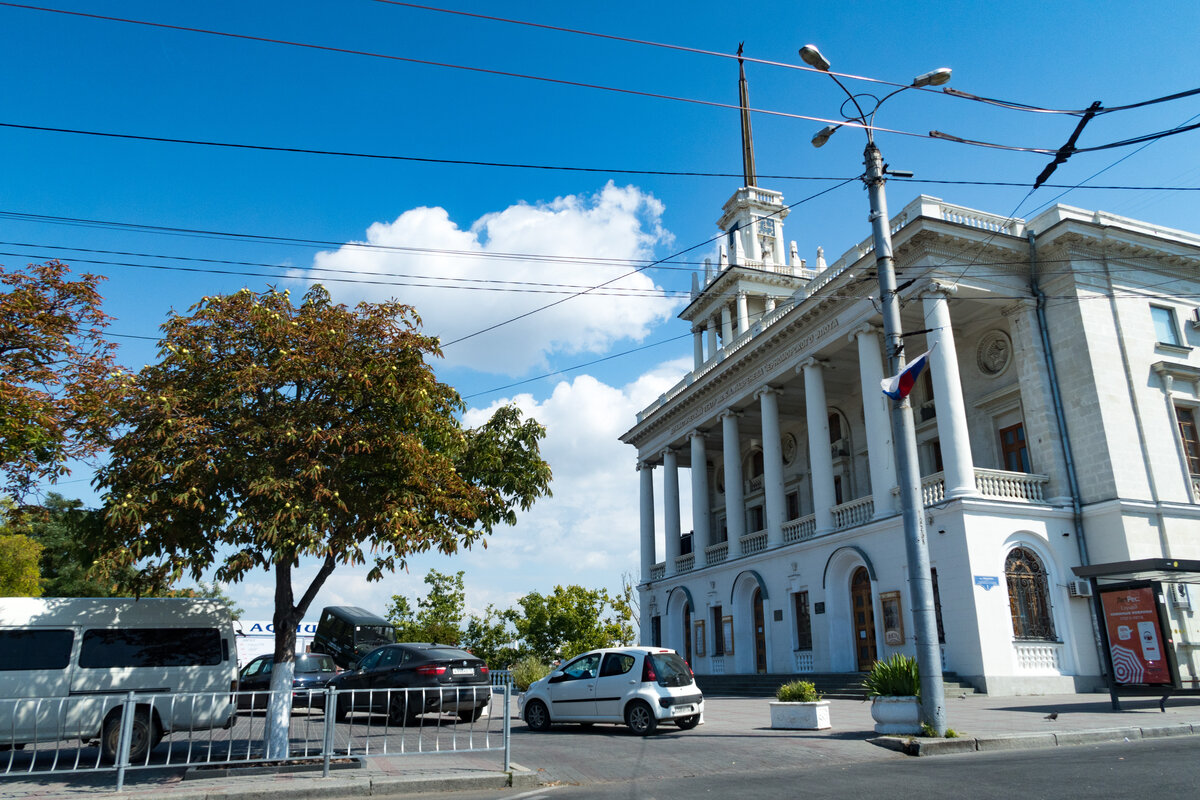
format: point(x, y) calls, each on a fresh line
point(621, 223)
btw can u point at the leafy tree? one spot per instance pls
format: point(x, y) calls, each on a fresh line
point(438, 616)
point(268, 433)
point(491, 637)
point(570, 621)
point(54, 373)
point(19, 576)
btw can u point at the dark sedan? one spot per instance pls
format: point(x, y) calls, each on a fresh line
point(405, 680)
point(313, 671)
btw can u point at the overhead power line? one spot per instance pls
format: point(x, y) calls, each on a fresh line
point(445, 65)
point(547, 167)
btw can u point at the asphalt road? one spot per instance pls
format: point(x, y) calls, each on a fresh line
point(1160, 768)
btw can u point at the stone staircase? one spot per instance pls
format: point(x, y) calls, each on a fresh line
point(838, 685)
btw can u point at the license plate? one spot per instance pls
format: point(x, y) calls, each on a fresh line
point(681, 710)
point(458, 671)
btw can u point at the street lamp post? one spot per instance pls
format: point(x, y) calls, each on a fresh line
point(929, 658)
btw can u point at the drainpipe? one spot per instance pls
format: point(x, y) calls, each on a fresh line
point(1059, 416)
point(1068, 458)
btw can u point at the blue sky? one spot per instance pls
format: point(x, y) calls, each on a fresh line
point(73, 72)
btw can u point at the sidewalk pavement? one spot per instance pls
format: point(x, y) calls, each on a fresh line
point(736, 736)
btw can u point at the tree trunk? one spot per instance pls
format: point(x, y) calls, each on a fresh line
point(279, 706)
point(286, 619)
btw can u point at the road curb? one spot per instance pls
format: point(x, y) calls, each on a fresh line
point(921, 746)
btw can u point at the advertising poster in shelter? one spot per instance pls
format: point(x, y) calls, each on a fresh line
point(1135, 637)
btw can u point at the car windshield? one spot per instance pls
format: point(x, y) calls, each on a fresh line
point(314, 663)
point(372, 635)
point(670, 669)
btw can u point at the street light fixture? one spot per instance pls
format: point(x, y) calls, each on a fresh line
point(929, 659)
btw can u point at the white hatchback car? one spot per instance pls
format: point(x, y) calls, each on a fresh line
point(639, 686)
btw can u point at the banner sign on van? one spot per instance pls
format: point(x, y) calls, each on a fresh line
point(257, 637)
point(1135, 639)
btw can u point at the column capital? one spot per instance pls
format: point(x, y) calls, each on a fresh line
point(729, 412)
point(936, 287)
point(863, 330)
point(695, 433)
point(644, 464)
point(742, 293)
point(667, 451)
point(811, 361)
point(767, 388)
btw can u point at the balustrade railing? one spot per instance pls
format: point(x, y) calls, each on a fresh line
point(1038, 657)
point(1196, 488)
point(685, 563)
point(797, 530)
point(658, 571)
point(856, 512)
point(753, 542)
point(1011, 485)
point(716, 553)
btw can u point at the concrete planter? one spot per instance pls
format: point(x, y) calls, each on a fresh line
point(800, 716)
point(896, 714)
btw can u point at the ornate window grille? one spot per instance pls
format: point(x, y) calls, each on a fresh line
point(1028, 596)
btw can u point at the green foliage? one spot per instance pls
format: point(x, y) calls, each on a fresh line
point(439, 613)
point(570, 621)
point(269, 433)
point(527, 670)
point(19, 575)
point(798, 692)
point(55, 371)
point(490, 637)
point(898, 676)
point(929, 732)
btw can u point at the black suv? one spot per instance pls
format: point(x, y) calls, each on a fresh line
point(404, 680)
point(348, 633)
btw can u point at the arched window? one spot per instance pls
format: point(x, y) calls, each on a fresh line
point(1028, 595)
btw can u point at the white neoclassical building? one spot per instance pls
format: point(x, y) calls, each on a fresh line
point(1056, 426)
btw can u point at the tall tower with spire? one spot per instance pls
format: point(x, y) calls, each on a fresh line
point(753, 275)
point(753, 217)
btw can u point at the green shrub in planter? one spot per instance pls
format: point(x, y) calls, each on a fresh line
point(527, 670)
point(896, 677)
point(798, 692)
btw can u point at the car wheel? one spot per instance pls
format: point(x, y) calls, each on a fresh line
point(537, 716)
point(687, 723)
point(471, 715)
point(142, 737)
point(640, 718)
point(398, 711)
point(341, 708)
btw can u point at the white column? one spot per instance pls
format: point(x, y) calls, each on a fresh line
point(820, 457)
point(735, 504)
point(743, 314)
point(881, 454)
point(710, 330)
point(954, 436)
point(726, 325)
point(646, 471)
point(768, 401)
point(697, 347)
point(701, 513)
point(671, 530)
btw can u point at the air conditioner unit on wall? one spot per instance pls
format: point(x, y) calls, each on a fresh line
point(1195, 320)
point(1079, 588)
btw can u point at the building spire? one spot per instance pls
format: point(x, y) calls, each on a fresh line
point(747, 136)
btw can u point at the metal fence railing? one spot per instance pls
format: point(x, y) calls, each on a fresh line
point(117, 733)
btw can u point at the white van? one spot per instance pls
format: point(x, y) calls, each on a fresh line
point(66, 665)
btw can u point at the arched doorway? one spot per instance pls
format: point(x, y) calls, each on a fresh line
point(760, 634)
point(863, 610)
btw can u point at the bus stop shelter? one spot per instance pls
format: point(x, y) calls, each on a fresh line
point(1147, 612)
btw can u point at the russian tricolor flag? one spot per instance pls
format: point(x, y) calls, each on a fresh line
point(899, 386)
